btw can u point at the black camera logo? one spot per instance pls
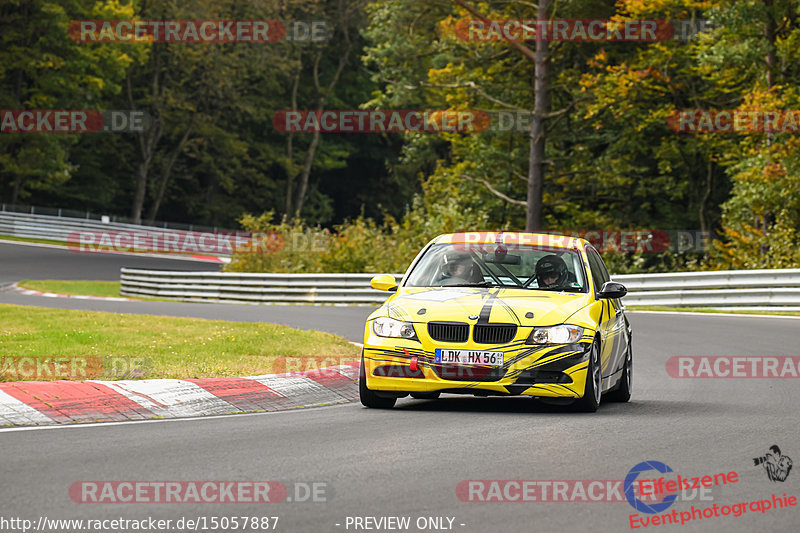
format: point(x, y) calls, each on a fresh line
point(777, 465)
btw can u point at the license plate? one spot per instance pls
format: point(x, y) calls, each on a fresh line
point(468, 357)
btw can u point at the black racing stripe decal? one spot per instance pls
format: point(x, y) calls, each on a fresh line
point(509, 347)
point(388, 352)
point(486, 310)
point(525, 354)
point(577, 369)
point(538, 364)
point(511, 374)
point(510, 310)
point(546, 358)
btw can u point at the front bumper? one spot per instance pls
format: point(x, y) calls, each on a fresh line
point(399, 366)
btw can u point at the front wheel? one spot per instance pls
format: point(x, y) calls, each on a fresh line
point(594, 383)
point(368, 397)
point(623, 393)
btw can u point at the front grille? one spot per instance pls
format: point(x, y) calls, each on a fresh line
point(448, 331)
point(493, 333)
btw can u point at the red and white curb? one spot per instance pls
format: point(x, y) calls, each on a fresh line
point(40, 403)
point(30, 292)
point(212, 258)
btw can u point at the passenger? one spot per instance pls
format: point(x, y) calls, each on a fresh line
point(459, 269)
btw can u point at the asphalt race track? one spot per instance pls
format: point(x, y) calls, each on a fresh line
point(408, 462)
point(25, 261)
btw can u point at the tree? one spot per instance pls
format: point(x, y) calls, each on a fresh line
point(754, 52)
point(42, 68)
point(322, 65)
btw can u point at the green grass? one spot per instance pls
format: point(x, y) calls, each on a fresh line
point(144, 346)
point(85, 288)
point(707, 310)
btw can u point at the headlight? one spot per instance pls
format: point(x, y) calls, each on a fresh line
point(563, 334)
point(389, 327)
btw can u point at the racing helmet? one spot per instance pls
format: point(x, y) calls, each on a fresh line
point(549, 266)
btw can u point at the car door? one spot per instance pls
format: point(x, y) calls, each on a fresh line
point(612, 324)
point(620, 327)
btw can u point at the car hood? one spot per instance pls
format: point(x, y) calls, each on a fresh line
point(493, 304)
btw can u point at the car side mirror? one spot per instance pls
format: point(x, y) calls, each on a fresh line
point(612, 289)
point(383, 282)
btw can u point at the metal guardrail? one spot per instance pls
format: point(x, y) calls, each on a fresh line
point(236, 287)
point(67, 229)
point(718, 279)
point(56, 228)
point(728, 289)
point(744, 289)
point(114, 220)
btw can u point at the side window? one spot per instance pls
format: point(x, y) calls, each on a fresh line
point(599, 272)
point(597, 264)
point(603, 270)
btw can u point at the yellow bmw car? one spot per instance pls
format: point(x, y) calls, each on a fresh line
point(500, 313)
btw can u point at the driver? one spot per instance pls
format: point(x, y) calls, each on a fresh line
point(551, 272)
point(457, 269)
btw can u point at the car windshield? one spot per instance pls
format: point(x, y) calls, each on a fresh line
point(524, 267)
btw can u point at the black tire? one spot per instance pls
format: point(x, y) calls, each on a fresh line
point(623, 393)
point(426, 395)
point(594, 384)
point(368, 397)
